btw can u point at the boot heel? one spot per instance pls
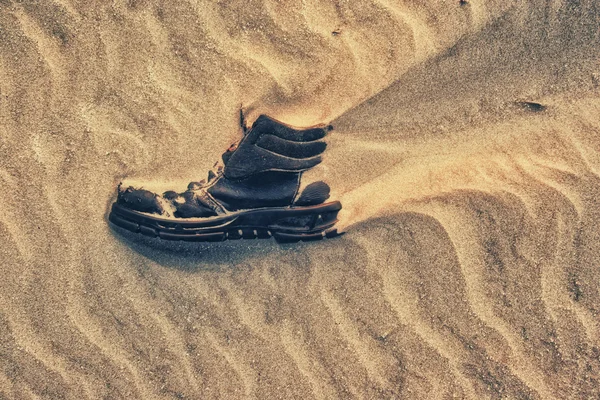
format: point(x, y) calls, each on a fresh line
point(306, 228)
point(286, 237)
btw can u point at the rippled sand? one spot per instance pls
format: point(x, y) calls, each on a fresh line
point(466, 155)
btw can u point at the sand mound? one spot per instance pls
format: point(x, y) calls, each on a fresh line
point(465, 154)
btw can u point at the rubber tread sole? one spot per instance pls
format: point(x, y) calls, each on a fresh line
point(285, 224)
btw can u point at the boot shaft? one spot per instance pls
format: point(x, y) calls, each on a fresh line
point(265, 168)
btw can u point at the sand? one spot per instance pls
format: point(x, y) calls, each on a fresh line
point(466, 156)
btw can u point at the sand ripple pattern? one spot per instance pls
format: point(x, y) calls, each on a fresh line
point(470, 265)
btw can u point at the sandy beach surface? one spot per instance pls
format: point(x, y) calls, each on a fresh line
point(466, 154)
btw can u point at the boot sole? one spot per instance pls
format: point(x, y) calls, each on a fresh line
point(285, 224)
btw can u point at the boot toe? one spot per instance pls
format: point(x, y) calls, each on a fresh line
point(139, 200)
point(188, 210)
point(169, 204)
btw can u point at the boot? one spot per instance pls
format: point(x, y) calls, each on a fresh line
point(254, 193)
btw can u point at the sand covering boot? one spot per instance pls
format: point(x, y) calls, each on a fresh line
point(254, 193)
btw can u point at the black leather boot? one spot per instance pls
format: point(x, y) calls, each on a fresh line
point(255, 193)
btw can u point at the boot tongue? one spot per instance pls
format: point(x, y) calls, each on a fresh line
point(229, 152)
point(216, 170)
point(245, 130)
